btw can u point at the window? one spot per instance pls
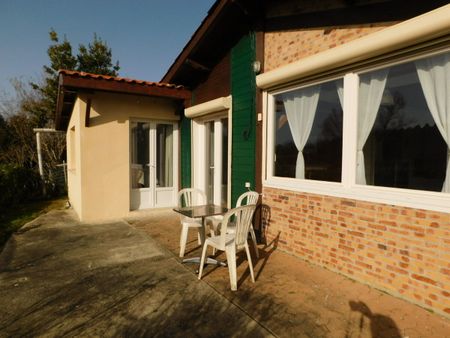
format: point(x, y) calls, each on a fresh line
point(308, 133)
point(403, 124)
point(164, 155)
point(140, 152)
point(381, 135)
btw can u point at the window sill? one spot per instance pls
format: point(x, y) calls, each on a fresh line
point(417, 199)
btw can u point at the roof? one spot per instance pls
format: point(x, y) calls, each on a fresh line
point(72, 82)
point(75, 74)
point(228, 20)
point(224, 25)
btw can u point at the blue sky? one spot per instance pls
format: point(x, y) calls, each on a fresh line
point(145, 35)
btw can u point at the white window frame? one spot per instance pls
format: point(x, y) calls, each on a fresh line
point(347, 188)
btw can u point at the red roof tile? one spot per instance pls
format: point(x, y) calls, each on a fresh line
point(76, 74)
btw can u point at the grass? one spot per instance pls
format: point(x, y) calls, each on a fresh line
point(15, 217)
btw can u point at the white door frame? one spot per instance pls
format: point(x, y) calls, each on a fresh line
point(153, 196)
point(199, 151)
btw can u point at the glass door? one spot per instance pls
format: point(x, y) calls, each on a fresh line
point(164, 165)
point(211, 159)
point(140, 165)
point(153, 167)
point(224, 173)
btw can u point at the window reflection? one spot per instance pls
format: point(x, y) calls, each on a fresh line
point(308, 133)
point(404, 148)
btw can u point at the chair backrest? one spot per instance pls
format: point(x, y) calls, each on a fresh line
point(190, 196)
point(242, 219)
point(247, 198)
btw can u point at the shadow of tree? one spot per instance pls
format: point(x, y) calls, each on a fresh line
point(381, 326)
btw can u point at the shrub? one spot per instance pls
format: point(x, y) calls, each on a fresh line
point(18, 184)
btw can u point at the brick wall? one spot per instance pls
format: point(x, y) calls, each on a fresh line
point(217, 84)
point(281, 48)
point(404, 251)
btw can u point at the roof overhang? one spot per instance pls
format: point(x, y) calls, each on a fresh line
point(224, 25)
point(71, 83)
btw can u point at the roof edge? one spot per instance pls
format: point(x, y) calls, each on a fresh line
point(200, 32)
point(71, 82)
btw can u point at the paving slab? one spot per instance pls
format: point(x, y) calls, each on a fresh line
point(294, 298)
point(60, 277)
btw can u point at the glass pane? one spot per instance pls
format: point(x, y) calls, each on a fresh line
point(210, 161)
point(139, 155)
point(164, 155)
point(404, 148)
point(224, 190)
point(314, 116)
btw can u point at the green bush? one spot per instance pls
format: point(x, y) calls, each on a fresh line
point(18, 185)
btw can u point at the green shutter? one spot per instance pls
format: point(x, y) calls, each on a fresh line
point(185, 131)
point(243, 90)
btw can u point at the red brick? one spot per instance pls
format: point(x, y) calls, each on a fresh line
point(424, 279)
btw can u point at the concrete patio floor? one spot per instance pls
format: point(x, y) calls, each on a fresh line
point(60, 277)
point(296, 299)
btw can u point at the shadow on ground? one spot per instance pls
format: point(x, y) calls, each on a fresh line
point(60, 278)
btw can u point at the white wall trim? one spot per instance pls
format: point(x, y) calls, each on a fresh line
point(425, 27)
point(426, 200)
point(210, 107)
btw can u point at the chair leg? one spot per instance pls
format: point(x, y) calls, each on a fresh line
point(213, 230)
point(202, 261)
point(250, 264)
point(255, 245)
point(231, 262)
point(183, 240)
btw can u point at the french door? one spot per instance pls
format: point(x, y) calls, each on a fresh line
point(154, 169)
point(211, 159)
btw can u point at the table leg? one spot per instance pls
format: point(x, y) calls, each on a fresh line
point(209, 260)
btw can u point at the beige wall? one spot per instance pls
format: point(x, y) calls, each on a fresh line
point(73, 158)
point(99, 188)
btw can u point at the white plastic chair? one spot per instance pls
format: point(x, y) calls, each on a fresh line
point(186, 198)
point(247, 198)
point(231, 243)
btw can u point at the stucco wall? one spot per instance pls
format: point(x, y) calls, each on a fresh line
point(281, 48)
point(73, 158)
point(104, 182)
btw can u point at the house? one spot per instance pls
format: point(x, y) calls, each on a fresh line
point(335, 111)
point(122, 142)
point(319, 106)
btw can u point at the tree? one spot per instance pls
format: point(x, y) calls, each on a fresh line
point(34, 104)
point(95, 58)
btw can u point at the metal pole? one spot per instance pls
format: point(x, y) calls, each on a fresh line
point(39, 153)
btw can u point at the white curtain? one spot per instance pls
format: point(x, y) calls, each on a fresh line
point(340, 91)
point(434, 76)
point(168, 156)
point(300, 106)
point(371, 88)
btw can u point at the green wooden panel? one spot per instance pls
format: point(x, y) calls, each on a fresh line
point(243, 90)
point(185, 131)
